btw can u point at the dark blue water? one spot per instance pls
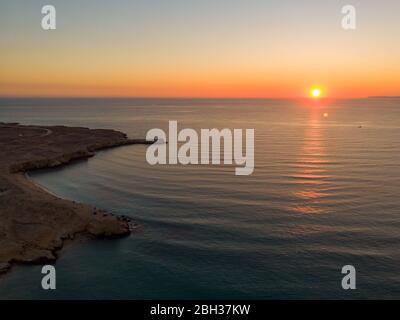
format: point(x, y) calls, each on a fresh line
point(324, 194)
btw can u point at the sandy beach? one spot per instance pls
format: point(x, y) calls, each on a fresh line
point(34, 224)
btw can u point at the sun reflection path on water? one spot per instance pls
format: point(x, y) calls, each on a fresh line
point(312, 170)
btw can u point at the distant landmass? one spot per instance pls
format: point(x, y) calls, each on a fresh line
point(384, 97)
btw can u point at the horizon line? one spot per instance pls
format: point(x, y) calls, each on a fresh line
point(194, 98)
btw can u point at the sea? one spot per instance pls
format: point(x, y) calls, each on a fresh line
point(324, 194)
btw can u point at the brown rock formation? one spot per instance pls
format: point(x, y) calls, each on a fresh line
point(34, 223)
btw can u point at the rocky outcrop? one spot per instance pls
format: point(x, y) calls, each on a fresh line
point(35, 224)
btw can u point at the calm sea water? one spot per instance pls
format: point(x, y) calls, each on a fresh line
point(324, 194)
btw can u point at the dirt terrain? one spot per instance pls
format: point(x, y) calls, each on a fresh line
point(34, 223)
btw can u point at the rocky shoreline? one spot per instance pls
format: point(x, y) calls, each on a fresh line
point(34, 224)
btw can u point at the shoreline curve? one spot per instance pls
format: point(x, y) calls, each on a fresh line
point(35, 223)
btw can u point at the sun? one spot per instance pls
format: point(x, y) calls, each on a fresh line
point(316, 93)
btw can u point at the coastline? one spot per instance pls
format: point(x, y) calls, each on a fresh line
point(27, 177)
point(34, 222)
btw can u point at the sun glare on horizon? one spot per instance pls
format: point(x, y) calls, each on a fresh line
point(316, 93)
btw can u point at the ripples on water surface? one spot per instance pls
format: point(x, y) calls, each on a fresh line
point(324, 194)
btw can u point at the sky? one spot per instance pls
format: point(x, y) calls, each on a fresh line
point(199, 48)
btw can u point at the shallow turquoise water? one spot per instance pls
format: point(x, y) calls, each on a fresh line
point(324, 194)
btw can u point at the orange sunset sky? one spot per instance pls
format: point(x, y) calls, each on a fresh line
point(246, 49)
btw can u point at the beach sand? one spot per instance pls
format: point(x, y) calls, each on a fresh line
point(34, 224)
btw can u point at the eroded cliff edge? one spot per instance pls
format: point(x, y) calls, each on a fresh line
point(34, 223)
